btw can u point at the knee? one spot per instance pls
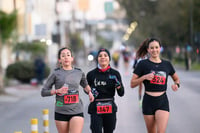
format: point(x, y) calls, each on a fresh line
point(161, 131)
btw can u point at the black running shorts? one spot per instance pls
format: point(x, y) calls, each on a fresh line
point(153, 103)
point(63, 117)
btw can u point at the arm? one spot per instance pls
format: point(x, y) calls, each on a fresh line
point(88, 91)
point(87, 88)
point(119, 85)
point(120, 90)
point(47, 89)
point(136, 80)
point(176, 80)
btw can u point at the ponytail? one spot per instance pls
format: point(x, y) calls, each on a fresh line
point(142, 51)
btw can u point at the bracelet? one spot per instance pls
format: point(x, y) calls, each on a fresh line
point(177, 84)
point(55, 91)
point(89, 92)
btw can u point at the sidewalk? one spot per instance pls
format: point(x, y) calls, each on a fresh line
point(16, 92)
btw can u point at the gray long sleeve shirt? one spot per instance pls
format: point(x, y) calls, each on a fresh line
point(66, 104)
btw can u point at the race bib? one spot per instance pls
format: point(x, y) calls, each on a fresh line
point(71, 97)
point(159, 78)
point(104, 107)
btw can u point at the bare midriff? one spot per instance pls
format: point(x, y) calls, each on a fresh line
point(155, 93)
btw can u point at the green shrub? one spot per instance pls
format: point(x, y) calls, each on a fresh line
point(23, 71)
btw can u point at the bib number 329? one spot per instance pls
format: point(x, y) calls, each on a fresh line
point(104, 108)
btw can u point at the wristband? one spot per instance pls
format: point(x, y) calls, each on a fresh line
point(177, 84)
point(89, 92)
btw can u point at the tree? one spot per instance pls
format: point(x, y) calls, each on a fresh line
point(169, 20)
point(76, 43)
point(145, 13)
point(196, 11)
point(7, 26)
point(35, 48)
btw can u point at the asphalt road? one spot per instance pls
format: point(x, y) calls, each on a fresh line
point(184, 108)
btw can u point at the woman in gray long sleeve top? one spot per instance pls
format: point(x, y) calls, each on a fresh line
point(68, 106)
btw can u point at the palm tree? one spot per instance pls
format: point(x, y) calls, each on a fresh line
point(8, 23)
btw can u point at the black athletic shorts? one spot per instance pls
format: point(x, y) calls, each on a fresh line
point(63, 117)
point(151, 104)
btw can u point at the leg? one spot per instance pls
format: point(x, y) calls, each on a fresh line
point(76, 124)
point(161, 117)
point(150, 123)
point(109, 123)
point(62, 123)
point(140, 95)
point(117, 63)
point(148, 113)
point(140, 91)
point(162, 114)
point(96, 123)
point(62, 126)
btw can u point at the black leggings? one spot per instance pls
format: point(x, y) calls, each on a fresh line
point(107, 122)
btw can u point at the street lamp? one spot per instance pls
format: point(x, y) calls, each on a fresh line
point(130, 29)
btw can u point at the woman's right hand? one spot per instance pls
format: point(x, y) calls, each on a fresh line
point(63, 90)
point(149, 76)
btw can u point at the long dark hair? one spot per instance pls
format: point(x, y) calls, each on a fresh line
point(142, 51)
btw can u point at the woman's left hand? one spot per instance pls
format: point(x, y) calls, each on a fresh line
point(118, 87)
point(174, 87)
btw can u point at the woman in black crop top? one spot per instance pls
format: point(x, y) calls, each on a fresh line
point(154, 72)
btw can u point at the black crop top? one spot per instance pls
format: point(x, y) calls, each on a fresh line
point(161, 72)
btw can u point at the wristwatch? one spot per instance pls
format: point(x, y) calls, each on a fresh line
point(177, 84)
